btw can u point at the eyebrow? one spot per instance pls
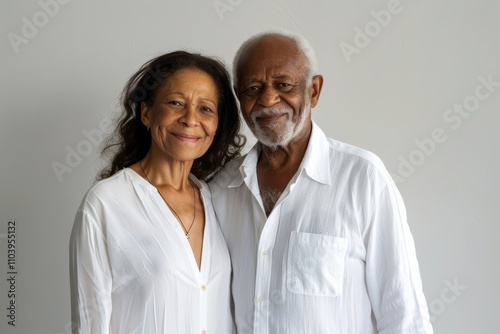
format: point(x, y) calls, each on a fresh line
point(246, 82)
point(275, 76)
point(208, 100)
point(281, 76)
point(182, 95)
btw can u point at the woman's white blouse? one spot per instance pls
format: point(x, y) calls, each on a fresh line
point(133, 270)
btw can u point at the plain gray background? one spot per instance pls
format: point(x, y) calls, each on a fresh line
point(416, 82)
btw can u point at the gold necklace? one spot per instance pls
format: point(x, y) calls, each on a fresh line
point(172, 209)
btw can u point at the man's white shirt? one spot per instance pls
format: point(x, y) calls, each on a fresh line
point(335, 254)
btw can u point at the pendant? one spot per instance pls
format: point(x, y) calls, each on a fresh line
point(187, 235)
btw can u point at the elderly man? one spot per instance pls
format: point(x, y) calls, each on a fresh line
point(316, 228)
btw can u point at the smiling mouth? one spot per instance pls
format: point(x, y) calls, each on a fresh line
point(186, 138)
point(269, 118)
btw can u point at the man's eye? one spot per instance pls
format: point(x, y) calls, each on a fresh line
point(284, 86)
point(251, 90)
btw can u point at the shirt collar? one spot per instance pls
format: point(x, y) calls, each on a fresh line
point(247, 168)
point(316, 161)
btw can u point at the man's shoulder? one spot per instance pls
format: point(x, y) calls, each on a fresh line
point(354, 152)
point(341, 151)
point(362, 160)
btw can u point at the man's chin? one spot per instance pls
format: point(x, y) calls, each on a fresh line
point(273, 142)
point(276, 136)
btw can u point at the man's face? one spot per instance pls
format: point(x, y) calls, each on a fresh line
point(272, 89)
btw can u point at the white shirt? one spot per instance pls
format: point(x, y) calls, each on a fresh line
point(335, 255)
point(133, 270)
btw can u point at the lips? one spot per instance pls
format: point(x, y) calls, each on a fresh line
point(269, 118)
point(186, 138)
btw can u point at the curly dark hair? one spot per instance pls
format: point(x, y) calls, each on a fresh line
point(130, 142)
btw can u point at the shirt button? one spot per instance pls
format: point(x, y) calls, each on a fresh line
point(203, 287)
point(203, 332)
point(265, 253)
point(260, 299)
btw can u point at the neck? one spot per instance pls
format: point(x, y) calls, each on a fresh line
point(162, 172)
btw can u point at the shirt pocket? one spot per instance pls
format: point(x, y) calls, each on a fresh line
point(316, 264)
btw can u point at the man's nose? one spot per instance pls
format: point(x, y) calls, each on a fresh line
point(268, 97)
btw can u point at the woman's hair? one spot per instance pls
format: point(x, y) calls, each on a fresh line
point(130, 142)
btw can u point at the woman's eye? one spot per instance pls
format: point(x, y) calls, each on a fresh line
point(207, 109)
point(174, 103)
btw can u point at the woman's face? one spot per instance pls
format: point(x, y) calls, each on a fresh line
point(183, 117)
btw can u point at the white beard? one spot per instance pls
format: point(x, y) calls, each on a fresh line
point(289, 133)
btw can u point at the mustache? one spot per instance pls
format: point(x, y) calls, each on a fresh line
point(270, 111)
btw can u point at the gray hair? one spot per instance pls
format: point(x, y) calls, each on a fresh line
point(302, 44)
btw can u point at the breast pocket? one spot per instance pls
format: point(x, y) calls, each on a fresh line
point(316, 264)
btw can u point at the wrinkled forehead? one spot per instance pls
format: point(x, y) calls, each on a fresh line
point(274, 55)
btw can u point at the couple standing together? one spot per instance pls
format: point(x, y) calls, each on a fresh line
point(303, 234)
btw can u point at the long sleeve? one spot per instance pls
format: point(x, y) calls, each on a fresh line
point(90, 277)
point(392, 272)
point(133, 271)
point(334, 256)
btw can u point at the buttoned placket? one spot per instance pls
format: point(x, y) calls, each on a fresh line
point(264, 264)
point(263, 273)
point(203, 305)
point(203, 274)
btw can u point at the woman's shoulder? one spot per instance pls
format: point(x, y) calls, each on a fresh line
point(111, 183)
point(113, 188)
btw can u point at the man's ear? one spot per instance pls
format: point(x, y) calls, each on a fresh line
point(145, 115)
point(315, 90)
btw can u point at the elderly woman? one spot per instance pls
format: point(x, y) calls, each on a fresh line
point(147, 254)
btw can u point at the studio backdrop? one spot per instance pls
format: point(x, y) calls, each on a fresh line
point(417, 82)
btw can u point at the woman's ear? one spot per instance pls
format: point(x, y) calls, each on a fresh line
point(145, 115)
